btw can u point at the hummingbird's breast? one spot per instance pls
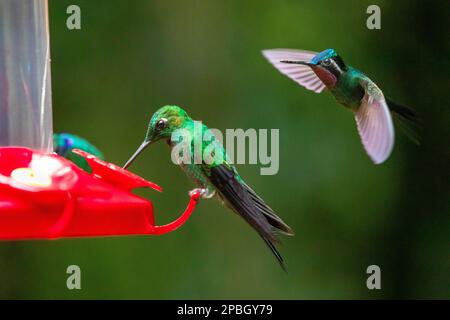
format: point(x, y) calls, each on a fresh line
point(348, 90)
point(195, 173)
point(189, 164)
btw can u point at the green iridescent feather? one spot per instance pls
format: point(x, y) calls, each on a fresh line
point(64, 143)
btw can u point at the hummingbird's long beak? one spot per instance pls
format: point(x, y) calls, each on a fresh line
point(297, 62)
point(141, 148)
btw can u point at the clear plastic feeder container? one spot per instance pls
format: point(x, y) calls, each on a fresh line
point(25, 83)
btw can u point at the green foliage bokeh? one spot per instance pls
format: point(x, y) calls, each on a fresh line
point(131, 57)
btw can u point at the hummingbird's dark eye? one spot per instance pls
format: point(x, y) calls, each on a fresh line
point(161, 124)
point(326, 62)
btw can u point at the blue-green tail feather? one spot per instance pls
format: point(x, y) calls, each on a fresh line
point(407, 120)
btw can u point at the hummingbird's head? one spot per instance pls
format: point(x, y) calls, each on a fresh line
point(164, 122)
point(328, 66)
point(330, 60)
point(161, 126)
point(62, 143)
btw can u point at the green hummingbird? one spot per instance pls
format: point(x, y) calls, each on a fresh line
point(64, 143)
point(354, 90)
point(217, 177)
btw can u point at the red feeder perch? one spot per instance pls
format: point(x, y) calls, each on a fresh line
point(46, 196)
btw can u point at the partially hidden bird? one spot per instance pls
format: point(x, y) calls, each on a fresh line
point(215, 178)
point(373, 112)
point(64, 143)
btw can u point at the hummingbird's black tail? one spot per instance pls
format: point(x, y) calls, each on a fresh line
point(246, 203)
point(406, 119)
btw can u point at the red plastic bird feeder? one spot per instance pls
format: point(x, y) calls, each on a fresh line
point(42, 195)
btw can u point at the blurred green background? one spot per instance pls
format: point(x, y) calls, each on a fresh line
point(131, 57)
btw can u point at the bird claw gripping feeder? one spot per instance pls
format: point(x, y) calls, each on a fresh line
point(43, 195)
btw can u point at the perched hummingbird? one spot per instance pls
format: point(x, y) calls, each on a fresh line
point(215, 178)
point(64, 143)
point(351, 88)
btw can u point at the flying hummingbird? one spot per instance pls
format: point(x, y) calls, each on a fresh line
point(351, 88)
point(216, 178)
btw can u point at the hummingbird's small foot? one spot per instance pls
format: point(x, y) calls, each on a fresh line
point(203, 192)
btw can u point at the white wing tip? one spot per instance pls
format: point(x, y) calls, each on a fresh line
point(269, 52)
point(379, 159)
point(266, 53)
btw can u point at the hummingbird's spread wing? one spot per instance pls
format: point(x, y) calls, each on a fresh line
point(244, 201)
point(375, 123)
point(301, 74)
